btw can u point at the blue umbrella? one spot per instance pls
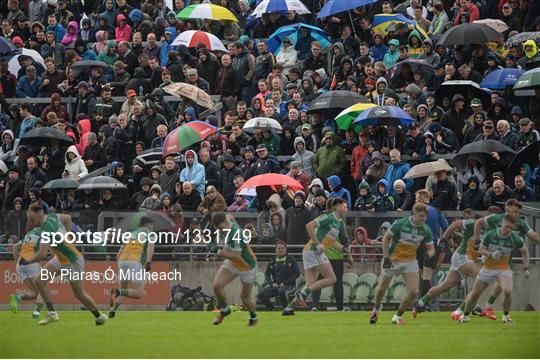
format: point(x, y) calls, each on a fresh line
point(6, 46)
point(273, 6)
point(337, 6)
point(291, 31)
point(383, 115)
point(501, 78)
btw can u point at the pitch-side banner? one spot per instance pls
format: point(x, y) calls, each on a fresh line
point(100, 276)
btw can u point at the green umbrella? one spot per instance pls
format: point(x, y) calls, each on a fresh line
point(186, 135)
point(345, 118)
point(529, 80)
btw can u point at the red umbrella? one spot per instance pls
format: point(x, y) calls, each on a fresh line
point(187, 135)
point(274, 180)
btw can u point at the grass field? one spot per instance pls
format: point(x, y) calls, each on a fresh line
point(147, 334)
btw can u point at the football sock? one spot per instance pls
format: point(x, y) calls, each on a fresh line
point(490, 301)
point(425, 300)
point(50, 306)
point(425, 286)
point(399, 312)
point(96, 313)
point(252, 315)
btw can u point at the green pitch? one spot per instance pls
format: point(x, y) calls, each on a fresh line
point(307, 335)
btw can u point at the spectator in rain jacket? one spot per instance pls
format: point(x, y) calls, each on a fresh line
point(397, 170)
point(170, 35)
point(75, 168)
point(365, 200)
point(392, 55)
point(304, 156)
point(384, 201)
point(15, 222)
point(194, 173)
point(330, 159)
point(338, 191)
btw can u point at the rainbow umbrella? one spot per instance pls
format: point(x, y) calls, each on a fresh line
point(345, 118)
point(206, 11)
point(186, 135)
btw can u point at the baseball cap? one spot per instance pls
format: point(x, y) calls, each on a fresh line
point(261, 147)
point(192, 72)
point(525, 121)
point(488, 123)
point(82, 84)
point(476, 102)
point(507, 5)
point(249, 148)
point(131, 93)
point(295, 164)
point(211, 188)
point(306, 126)
point(497, 175)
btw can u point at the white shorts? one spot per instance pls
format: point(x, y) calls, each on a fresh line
point(312, 259)
point(401, 268)
point(488, 276)
point(73, 267)
point(127, 271)
point(29, 271)
point(247, 277)
point(458, 260)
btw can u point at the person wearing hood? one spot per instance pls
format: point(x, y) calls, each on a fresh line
point(365, 200)
point(378, 50)
point(384, 201)
point(287, 56)
point(361, 238)
point(428, 55)
point(444, 192)
point(296, 219)
point(382, 91)
point(498, 110)
point(397, 170)
point(13, 188)
point(123, 29)
point(315, 185)
point(473, 197)
point(170, 35)
point(377, 170)
point(15, 223)
point(8, 149)
point(444, 140)
point(472, 131)
point(194, 172)
point(305, 157)
point(109, 55)
point(75, 168)
point(392, 55)
point(71, 34)
point(149, 122)
point(338, 191)
point(340, 76)
point(172, 210)
point(454, 119)
point(243, 64)
point(414, 45)
point(330, 159)
point(137, 198)
point(226, 180)
point(208, 68)
point(95, 155)
point(87, 32)
point(53, 160)
point(152, 202)
point(109, 143)
point(118, 172)
point(531, 51)
point(101, 42)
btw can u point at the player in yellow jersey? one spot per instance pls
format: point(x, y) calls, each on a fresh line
point(66, 256)
point(497, 246)
point(134, 258)
point(29, 273)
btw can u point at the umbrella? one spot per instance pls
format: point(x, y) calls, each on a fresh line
point(345, 118)
point(468, 33)
point(532, 63)
point(84, 66)
point(14, 66)
point(383, 115)
point(192, 38)
point(6, 46)
point(337, 6)
point(333, 102)
point(274, 180)
point(206, 11)
point(527, 155)
point(131, 221)
point(292, 32)
point(496, 24)
point(416, 65)
point(191, 92)
point(520, 38)
point(153, 156)
point(501, 78)
point(481, 150)
point(271, 6)
point(186, 135)
point(381, 22)
point(427, 169)
point(529, 80)
point(101, 183)
point(42, 137)
point(262, 123)
point(61, 184)
point(469, 89)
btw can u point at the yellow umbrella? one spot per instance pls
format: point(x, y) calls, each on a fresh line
point(206, 11)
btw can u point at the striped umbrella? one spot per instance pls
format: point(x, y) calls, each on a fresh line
point(206, 11)
point(347, 116)
point(272, 6)
point(186, 135)
point(292, 32)
point(383, 115)
point(191, 38)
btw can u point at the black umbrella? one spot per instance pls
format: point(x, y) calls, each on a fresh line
point(481, 150)
point(131, 221)
point(469, 33)
point(527, 155)
point(101, 183)
point(84, 66)
point(331, 103)
point(469, 89)
point(415, 65)
point(61, 184)
point(154, 156)
point(42, 136)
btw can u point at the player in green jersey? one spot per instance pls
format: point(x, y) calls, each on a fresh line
point(240, 261)
point(512, 207)
point(399, 247)
point(497, 246)
point(324, 232)
point(134, 258)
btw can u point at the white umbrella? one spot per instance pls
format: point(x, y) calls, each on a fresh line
point(272, 6)
point(426, 169)
point(262, 123)
point(495, 24)
point(13, 64)
point(191, 38)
